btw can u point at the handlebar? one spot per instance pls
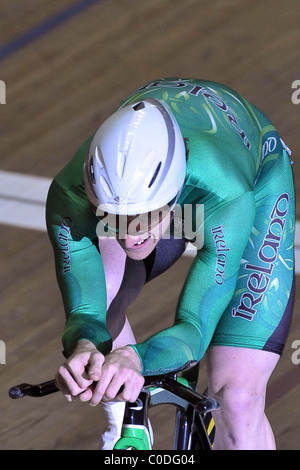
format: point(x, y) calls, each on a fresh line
point(168, 382)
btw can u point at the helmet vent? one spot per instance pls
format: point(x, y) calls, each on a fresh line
point(106, 187)
point(92, 173)
point(99, 156)
point(154, 175)
point(121, 159)
point(138, 106)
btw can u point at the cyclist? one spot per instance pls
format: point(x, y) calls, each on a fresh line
point(180, 160)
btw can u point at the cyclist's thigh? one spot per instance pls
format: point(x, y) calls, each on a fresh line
point(259, 314)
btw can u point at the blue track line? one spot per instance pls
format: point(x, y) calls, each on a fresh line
point(43, 28)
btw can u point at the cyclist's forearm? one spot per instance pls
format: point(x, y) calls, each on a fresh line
point(170, 349)
point(85, 327)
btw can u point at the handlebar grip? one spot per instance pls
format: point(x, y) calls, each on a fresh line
point(18, 391)
point(40, 390)
point(207, 404)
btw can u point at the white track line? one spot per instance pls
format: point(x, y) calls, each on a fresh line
point(22, 200)
point(22, 204)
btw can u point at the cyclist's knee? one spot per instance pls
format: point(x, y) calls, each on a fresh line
point(241, 400)
point(241, 422)
point(238, 377)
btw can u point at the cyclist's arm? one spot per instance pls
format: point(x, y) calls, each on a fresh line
point(202, 300)
point(90, 373)
point(79, 269)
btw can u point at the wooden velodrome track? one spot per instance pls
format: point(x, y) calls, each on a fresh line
point(66, 64)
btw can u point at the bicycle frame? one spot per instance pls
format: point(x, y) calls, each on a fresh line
point(194, 426)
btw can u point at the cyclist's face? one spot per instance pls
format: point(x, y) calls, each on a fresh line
point(137, 234)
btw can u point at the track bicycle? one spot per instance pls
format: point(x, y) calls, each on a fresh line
point(194, 425)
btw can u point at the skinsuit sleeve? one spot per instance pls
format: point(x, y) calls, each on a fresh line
point(208, 289)
point(71, 226)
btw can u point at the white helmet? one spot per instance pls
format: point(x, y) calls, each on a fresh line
point(136, 161)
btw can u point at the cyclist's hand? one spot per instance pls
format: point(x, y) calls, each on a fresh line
point(76, 377)
point(121, 378)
